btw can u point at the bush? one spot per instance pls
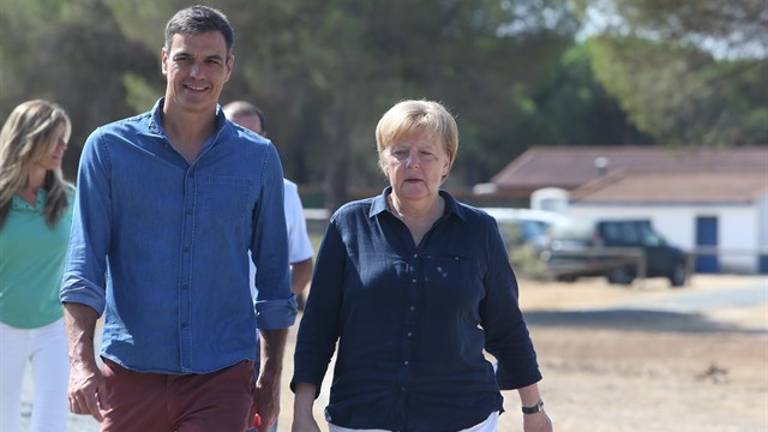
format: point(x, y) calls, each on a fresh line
point(526, 263)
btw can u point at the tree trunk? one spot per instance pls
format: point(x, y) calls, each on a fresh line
point(339, 149)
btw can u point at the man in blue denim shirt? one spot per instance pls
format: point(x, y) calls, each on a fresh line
point(169, 204)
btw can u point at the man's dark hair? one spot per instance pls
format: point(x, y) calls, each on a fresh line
point(199, 19)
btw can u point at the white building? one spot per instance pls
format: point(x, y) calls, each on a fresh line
point(697, 211)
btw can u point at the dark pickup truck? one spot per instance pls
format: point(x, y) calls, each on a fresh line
point(620, 250)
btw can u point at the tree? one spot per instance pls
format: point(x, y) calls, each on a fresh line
point(68, 52)
point(575, 109)
point(324, 72)
point(730, 28)
point(688, 73)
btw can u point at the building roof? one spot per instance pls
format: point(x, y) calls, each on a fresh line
point(570, 167)
point(673, 188)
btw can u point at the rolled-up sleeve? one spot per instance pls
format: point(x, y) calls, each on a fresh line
point(506, 333)
point(275, 304)
point(85, 268)
point(320, 326)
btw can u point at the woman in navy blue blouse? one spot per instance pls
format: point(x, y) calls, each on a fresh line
point(414, 286)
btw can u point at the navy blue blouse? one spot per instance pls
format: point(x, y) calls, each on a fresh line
point(412, 320)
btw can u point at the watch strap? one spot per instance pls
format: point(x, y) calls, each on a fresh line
point(535, 408)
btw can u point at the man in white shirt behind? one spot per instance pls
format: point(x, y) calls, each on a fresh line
point(300, 250)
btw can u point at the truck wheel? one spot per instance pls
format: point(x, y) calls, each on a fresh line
point(620, 276)
point(678, 276)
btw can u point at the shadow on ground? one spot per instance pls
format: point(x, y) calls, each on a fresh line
point(635, 319)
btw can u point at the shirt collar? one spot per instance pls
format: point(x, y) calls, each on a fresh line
point(17, 203)
point(379, 204)
point(155, 126)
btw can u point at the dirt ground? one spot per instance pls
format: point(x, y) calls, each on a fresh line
point(653, 372)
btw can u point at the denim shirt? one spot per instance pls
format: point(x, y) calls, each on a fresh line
point(412, 320)
point(162, 245)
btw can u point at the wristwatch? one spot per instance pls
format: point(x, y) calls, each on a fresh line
point(533, 409)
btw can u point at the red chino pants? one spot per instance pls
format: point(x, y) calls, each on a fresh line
point(147, 402)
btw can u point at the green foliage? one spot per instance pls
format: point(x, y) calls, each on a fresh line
point(527, 263)
point(143, 21)
point(68, 52)
point(687, 73)
point(682, 95)
point(735, 26)
point(138, 93)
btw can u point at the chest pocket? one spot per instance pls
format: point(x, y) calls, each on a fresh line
point(453, 279)
point(224, 199)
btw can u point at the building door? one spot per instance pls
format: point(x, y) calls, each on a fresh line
point(706, 236)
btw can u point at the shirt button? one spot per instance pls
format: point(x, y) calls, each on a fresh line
point(412, 308)
point(403, 388)
point(405, 363)
point(413, 280)
point(410, 334)
point(415, 255)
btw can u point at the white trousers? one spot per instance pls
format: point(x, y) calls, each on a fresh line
point(46, 349)
point(488, 425)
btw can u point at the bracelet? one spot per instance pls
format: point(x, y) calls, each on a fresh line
point(534, 409)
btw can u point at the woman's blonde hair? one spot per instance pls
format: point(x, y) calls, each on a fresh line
point(26, 137)
point(418, 116)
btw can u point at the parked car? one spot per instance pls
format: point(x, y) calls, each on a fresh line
point(611, 248)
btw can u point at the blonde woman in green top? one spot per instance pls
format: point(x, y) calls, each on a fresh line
point(35, 215)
